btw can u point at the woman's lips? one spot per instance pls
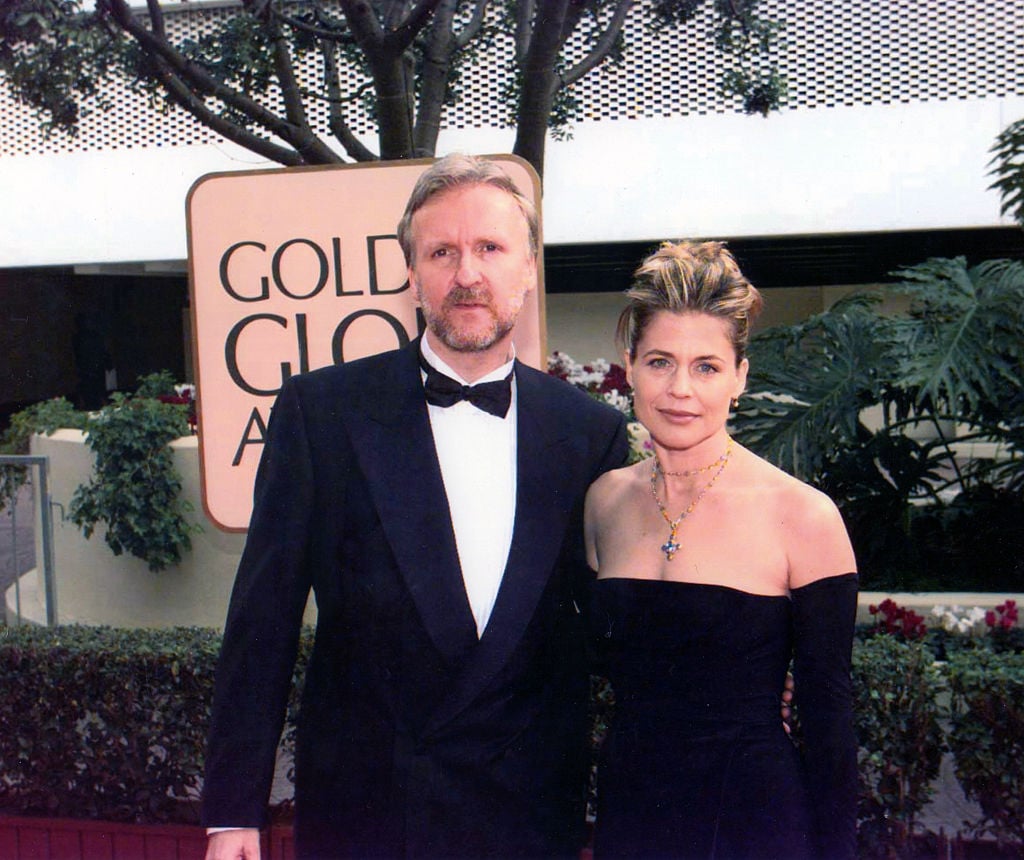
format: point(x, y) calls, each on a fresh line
point(677, 415)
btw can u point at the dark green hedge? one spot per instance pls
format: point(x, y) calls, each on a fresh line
point(107, 723)
point(111, 724)
point(103, 723)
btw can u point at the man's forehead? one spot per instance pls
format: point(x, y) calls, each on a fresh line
point(463, 197)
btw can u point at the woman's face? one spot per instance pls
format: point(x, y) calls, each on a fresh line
point(684, 377)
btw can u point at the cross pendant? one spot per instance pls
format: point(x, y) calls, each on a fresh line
point(670, 548)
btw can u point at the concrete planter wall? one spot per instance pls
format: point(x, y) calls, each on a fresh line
point(94, 586)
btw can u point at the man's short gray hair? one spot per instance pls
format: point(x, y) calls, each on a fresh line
point(459, 171)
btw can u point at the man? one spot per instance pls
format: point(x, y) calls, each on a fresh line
point(443, 709)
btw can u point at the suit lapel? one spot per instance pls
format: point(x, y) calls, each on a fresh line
point(393, 438)
point(536, 543)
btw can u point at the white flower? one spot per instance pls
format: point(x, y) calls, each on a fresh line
point(619, 401)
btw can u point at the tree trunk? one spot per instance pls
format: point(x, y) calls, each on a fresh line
point(534, 109)
point(437, 60)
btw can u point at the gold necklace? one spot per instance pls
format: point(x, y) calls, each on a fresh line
point(689, 473)
point(671, 547)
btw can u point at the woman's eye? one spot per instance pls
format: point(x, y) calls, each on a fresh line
point(658, 362)
point(706, 368)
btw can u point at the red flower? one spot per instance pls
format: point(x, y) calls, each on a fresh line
point(615, 380)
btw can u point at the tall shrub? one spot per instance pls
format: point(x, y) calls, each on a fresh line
point(987, 738)
point(134, 489)
point(900, 739)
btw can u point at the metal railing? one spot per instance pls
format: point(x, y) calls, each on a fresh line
point(39, 467)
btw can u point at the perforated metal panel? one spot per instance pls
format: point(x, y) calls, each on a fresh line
point(833, 53)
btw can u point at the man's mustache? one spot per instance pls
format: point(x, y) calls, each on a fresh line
point(468, 295)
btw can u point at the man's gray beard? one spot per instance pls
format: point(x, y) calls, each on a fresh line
point(458, 341)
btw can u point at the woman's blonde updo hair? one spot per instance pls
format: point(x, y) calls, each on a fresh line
point(689, 277)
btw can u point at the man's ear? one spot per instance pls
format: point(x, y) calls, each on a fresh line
point(411, 275)
point(531, 283)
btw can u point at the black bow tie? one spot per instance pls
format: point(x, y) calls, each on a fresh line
point(492, 397)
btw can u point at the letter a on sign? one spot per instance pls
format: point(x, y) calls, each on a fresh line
point(294, 269)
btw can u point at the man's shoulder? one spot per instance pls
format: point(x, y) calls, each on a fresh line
point(358, 371)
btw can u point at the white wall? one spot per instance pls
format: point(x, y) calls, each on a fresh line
point(899, 167)
point(94, 586)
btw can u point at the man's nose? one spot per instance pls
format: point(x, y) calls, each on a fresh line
point(468, 271)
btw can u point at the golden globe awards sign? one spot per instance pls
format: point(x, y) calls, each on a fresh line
point(291, 270)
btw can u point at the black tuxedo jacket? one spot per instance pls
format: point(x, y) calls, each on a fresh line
point(416, 738)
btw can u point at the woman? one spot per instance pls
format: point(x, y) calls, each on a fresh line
point(714, 569)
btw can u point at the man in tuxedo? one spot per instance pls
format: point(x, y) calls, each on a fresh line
point(431, 497)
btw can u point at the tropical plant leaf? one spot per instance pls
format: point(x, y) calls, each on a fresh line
point(960, 344)
point(795, 418)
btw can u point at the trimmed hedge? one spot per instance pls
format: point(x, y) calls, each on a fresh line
point(111, 724)
point(104, 723)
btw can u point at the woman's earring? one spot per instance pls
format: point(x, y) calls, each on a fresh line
point(735, 402)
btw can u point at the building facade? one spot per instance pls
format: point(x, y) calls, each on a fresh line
point(878, 158)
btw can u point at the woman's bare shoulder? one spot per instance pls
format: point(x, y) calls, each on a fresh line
point(615, 482)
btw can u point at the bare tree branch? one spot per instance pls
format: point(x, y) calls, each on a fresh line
point(184, 97)
point(364, 24)
point(402, 36)
point(394, 114)
point(193, 76)
point(523, 23)
point(318, 32)
point(472, 29)
point(602, 47)
point(336, 121)
point(438, 51)
point(156, 17)
point(290, 92)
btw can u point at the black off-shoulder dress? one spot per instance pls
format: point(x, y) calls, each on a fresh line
point(697, 763)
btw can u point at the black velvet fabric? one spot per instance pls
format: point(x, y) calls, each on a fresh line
point(697, 763)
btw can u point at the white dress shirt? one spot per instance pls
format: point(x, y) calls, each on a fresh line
point(477, 454)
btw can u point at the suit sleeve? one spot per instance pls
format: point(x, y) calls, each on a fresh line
point(261, 634)
point(824, 613)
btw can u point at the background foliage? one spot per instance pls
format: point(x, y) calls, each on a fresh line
point(399, 62)
point(901, 741)
point(134, 489)
point(875, 400)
